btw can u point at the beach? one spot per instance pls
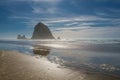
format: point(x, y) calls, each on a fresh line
point(17, 66)
point(59, 39)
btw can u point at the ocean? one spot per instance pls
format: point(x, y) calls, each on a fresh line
point(94, 55)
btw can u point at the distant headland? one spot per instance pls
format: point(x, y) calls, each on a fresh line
point(41, 31)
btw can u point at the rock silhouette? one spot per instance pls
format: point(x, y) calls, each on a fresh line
point(21, 37)
point(41, 31)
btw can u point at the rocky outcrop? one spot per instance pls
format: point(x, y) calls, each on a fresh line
point(41, 31)
point(21, 37)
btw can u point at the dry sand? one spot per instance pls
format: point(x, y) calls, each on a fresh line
point(17, 66)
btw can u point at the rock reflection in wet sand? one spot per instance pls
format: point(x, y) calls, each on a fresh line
point(43, 51)
point(17, 66)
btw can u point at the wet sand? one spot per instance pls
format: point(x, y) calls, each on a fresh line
point(17, 66)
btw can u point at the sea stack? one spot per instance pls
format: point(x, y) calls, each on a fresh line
point(41, 31)
point(21, 37)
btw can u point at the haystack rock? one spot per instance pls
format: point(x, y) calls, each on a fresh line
point(41, 31)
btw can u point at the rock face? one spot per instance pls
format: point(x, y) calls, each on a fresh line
point(41, 31)
point(21, 37)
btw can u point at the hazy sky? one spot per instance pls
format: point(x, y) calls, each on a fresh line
point(65, 18)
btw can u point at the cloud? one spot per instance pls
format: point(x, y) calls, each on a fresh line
point(40, 10)
point(37, 0)
point(45, 7)
point(70, 24)
point(50, 13)
point(114, 10)
point(45, 0)
point(78, 18)
point(101, 32)
point(74, 28)
point(20, 17)
point(66, 22)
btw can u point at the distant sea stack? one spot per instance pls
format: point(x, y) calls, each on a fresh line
point(21, 37)
point(41, 31)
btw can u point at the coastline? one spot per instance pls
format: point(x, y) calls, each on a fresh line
point(17, 66)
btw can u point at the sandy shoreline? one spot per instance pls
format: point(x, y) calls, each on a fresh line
point(17, 66)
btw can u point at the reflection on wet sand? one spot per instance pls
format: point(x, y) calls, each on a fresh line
point(17, 66)
point(43, 51)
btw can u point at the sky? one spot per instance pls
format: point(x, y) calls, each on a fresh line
point(69, 19)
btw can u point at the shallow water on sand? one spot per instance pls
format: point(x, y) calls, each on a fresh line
point(91, 55)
